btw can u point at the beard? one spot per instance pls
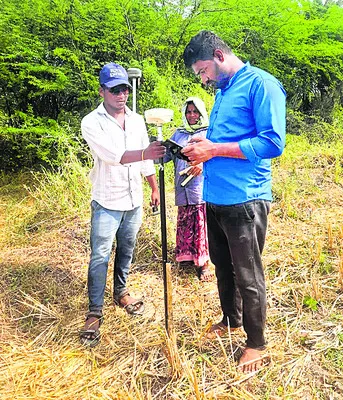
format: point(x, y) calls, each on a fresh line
point(219, 76)
point(211, 83)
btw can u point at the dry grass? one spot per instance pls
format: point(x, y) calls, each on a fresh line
point(43, 301)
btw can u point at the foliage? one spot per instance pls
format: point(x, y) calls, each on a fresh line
point(314, 128)
point(36, 147)
point(66, 191)
point(51, 53)
point(311, 303)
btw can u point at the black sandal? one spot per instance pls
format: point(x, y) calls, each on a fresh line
point(91, 337)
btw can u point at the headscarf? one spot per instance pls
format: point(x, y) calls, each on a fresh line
point(203, 120)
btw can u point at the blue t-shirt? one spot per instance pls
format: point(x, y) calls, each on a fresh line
point(249, 109)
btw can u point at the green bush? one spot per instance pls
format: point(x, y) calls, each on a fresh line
point(314, 128)
point(35, 147)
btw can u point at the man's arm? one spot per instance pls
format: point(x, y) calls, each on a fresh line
point(200, 150)
point(269, 110)
point(155, 194)
point(154, 151)
point(99, 142)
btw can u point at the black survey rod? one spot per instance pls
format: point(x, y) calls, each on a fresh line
point(164, 243)
point(165, 265)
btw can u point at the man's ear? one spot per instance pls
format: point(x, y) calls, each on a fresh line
point(218, 54)
point(101, 91)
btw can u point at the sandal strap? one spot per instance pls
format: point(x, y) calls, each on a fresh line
point(122, 294)
point(89, 331)
point(89, 337)
point(134, 303)
point(95, 314)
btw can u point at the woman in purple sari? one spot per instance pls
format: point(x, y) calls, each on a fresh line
point(191, 232)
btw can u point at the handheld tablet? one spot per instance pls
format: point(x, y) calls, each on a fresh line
point(175, 149)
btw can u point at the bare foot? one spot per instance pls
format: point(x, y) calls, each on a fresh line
point(251, 360)
point(204, 273)
point(219, 330)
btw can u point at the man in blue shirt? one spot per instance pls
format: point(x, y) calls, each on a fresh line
point(246, 130)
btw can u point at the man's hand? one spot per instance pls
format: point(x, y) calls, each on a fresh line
point(155, 198)
point(195, 170)
point(155, 193)
point(154, 151)
point(199, 150)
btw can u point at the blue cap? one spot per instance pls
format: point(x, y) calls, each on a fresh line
point(113, 75)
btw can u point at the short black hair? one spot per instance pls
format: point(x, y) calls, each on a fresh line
point(202, 47)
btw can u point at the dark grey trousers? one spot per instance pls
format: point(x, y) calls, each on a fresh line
point(236, 239)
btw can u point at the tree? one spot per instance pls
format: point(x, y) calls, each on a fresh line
point(52, 51)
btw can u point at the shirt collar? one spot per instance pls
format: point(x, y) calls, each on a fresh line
point(102, 110)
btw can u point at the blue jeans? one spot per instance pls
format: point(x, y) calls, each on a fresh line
point(236, 237)
point(107, 225)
